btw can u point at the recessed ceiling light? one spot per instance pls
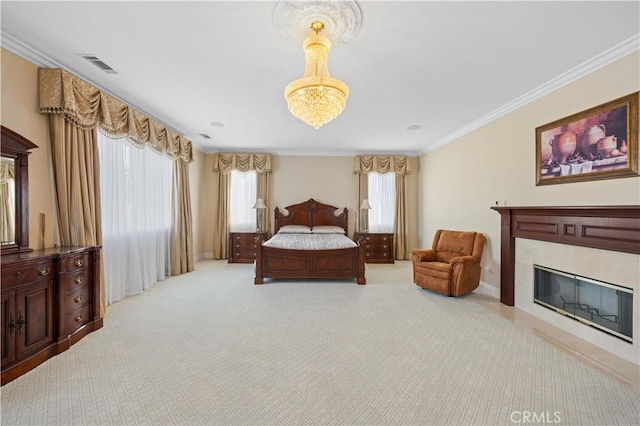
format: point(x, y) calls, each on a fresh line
point(414, 127)
point(217, 124)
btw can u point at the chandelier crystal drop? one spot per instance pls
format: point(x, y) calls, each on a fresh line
point(316, 98)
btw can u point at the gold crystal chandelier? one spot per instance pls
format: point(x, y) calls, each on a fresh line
point(316, 98)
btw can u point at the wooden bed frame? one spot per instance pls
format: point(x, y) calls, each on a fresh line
point(285, 263)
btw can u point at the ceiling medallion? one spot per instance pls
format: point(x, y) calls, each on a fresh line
point(341, 19)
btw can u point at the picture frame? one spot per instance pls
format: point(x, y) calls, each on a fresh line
point(598, 143)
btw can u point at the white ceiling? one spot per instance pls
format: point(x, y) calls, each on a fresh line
point(440, 65)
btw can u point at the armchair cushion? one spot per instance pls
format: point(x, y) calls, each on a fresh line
point(452, 265)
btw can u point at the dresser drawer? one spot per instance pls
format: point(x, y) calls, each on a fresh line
point(74, 280)
point(75, 299)
point(377, 244)
point(243, 246)
point(378, 247)
point(23, 273)
point(74, 262)
point(77, 318)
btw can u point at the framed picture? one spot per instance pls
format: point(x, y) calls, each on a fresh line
point(599, 143)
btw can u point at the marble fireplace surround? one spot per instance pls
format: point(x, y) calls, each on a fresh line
point(600, 242)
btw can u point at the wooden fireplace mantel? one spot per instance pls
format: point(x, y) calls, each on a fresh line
point(614, 228)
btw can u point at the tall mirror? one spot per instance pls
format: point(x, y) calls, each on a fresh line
point(7, 201)
point(14, 192)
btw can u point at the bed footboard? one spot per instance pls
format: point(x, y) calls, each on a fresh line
point(284, 263)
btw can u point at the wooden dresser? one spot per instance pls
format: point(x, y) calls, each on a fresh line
point(50, 300)
point(242, 246)
point(378, 247)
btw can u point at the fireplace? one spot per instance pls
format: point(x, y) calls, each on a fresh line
point(602, 305)
point(601, 243)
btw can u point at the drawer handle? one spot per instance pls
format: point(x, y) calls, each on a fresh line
point(385, 254)
point(21, 322)
point(384, 238)
point(368, 254)
point(78, 262)
point(12, 325)
point(18, 273)
point(78, 280)
point(43, 271)
point(77, 318)
point(385, 246)
point(78, 299)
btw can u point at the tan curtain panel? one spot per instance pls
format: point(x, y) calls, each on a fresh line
point(181, 246)
point(76, 173)
point(223, 164)
point(221, 216)
point(365, 164)
point(401, 241)
point(88, 107)
point(362, 193)
point(262, 191)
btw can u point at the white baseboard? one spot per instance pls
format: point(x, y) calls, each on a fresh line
point(204, 256)
point(490, 290)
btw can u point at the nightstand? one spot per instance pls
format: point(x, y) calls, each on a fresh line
point(378, 247)
point(242, 246)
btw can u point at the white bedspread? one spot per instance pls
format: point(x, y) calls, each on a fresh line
point(309, 241)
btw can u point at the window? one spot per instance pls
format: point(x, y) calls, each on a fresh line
point(382, 198)
point(242, 216)
point(135, 190)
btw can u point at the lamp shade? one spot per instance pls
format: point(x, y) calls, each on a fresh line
point(365, 205)
point(259, 204)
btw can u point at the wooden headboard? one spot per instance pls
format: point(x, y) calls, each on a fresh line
point(311, 213)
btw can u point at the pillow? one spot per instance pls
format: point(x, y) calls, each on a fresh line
point(327, 230)
point(294, 229)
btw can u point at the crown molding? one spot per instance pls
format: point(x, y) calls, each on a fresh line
point(617, 52)
point(298, 153)
point(17, 47)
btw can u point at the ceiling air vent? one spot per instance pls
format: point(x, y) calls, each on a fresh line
point(204, 135)
point(99, 63)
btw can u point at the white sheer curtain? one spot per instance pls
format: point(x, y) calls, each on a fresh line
point(382, 198)
point(243, 197)
point(135, 187)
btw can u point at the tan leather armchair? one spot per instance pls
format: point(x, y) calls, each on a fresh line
point(452, 265)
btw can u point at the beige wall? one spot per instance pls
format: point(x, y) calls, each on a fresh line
point(329, 180)
point(20, 114)
point(460, 181)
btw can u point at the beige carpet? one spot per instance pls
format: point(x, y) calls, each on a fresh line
point(209, 347)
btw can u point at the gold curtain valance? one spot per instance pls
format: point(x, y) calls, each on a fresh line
point(226, 161)
point(87, 107)
point(398, 164)
point(7, 172)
